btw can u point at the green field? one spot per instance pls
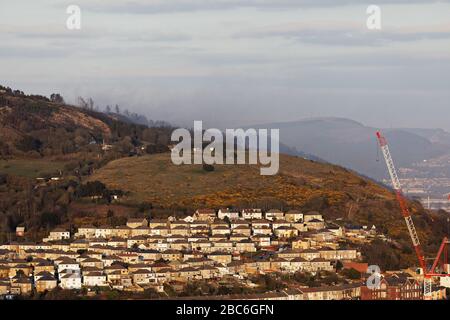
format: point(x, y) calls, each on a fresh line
point(30, 168)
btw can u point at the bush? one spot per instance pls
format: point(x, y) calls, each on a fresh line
point(351, 274)
point(156, 148)
point(50, 219)
point(383, 255)
point(28, 144)
point(208, 167)
point(92, 188)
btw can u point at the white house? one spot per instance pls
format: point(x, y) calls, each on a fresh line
point(137, 222)
point(104, 232)
point(312, 215)
point(70, 281)
point(251, 214)
point(93, 279)
point(294, 216)
point(261, 240)
point(86, 232)
point(205, 214)
point(57, 234)
point(231, 214)
point(274, 214)
point(68, 264)
point(189, 219)
point(143, 276)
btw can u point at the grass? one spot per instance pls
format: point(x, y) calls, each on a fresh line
point(30, 168)
point(156, 180)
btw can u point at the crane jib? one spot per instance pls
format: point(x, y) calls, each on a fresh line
point(401, 200)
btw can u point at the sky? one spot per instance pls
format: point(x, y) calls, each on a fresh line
point(236, 63)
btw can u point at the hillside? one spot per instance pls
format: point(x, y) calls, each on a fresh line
point(47, 147)
point(37, 126)
point(155, 179)
point(353, 145)
point(301, 184)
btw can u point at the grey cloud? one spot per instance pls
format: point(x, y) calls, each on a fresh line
point(166, 6)
point(346, 36)
point(54, 35)
point(32, 52)
point(385, 60)
point(158, 37)
point(143, 36)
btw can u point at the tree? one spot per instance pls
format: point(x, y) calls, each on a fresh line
point(117, 109)
point(145, 206)
point(351, 274)
point(150, 293)
point(90, 104)
point(57, 98)
point(3, 178)
point(50, 219)
point(20, 273)
point(382, 254)
point(82, 103)
point(156, 148)
point(29, 143)
point(112, 295)
point(126, 145)
point(208, 167)
point(331, 278)
point(110, 213)
point(4, 149)
point(62, 294)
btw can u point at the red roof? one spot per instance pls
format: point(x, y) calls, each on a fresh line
point(358, 266)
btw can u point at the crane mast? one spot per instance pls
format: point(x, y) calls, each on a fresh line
point(401, 200)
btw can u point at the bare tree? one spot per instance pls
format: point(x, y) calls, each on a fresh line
point(91, 104)
point(82, 103)
point(56, 97)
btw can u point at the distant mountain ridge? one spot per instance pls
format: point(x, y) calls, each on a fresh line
point(353, 145)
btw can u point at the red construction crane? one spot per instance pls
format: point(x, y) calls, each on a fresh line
point(443, 250)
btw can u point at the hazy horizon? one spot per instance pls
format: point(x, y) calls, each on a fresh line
point(237, 62)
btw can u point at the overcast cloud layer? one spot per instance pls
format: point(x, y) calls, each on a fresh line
point(237, 62)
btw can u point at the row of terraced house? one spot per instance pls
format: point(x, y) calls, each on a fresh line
point(142, 253)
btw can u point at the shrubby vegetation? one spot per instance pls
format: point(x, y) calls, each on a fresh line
point(68, 142)
point(48, 127)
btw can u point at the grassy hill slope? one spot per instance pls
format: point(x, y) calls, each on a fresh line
point(304, 184)
point(155, 179)
point(300, 184)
